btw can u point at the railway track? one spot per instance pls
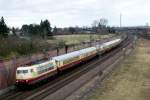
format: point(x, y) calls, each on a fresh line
point(38, 93)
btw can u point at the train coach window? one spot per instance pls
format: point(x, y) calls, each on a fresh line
point(51, 65)
point(25, 71)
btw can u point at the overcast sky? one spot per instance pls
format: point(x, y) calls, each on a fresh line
point(63, 13)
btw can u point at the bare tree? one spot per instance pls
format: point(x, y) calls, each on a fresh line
point(100, 26)
point(95, 25)
point(103, 22)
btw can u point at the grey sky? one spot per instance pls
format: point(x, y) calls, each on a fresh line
point(64, 13)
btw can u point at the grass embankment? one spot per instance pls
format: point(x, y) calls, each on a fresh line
point(130, 80)
point(14, 46)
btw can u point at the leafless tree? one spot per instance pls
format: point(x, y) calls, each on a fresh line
point(100, 26)
point(103, 22)
point(95, 23)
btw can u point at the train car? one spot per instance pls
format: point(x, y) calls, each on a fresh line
point(88, 53)
point(71, 59)
point(67, 60)
point(108, 45)
point(28, 75)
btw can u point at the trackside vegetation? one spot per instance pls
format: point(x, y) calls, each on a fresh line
point(14, 46)
point(33, 38)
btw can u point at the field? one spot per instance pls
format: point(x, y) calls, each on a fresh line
point(76, 39)
point(15, 47)
point(130, 80)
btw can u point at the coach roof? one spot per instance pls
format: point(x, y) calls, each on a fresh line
point(111, 42)
point(66, 56)
point(73, 54)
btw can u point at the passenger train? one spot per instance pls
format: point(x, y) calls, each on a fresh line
point(32, 74)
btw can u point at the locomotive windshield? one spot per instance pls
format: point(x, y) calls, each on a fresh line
point(22, 71)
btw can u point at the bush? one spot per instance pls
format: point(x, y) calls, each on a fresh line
point(14, 46)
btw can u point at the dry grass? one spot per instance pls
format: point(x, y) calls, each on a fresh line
point(131, 80)
point(76, 39)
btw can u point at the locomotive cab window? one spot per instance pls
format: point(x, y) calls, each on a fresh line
point(25, 71)
point(19, 71)
point(22, 71)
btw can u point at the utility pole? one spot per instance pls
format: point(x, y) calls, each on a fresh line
point(120, 20)
point(147, 25)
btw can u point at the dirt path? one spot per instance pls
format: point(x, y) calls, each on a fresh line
point(131, 80)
